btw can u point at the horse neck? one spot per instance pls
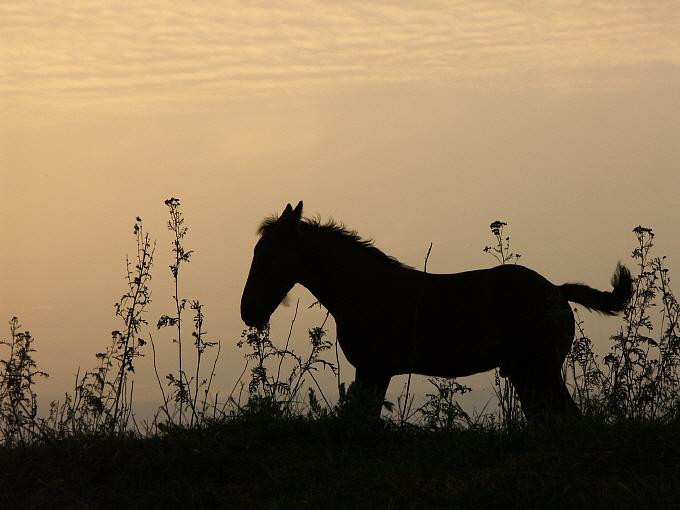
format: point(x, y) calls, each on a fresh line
point(340, 275)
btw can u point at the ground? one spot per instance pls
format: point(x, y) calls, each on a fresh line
point(298, 463)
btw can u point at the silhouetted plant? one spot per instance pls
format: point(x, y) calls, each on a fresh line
point(508, 400)
point(315, 409)
point(668, 379)
point(637, 379)
point(500, 250)
point(131, 308)
point(183, 395)
point(18, 400)
point(582, 372)
point(198, 409)
point(642, 380)
point(177, 381)
point(102, 397)
point(442, 410)
point(275, 393)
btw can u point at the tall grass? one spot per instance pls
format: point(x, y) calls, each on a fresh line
point(637, 378)
point(183, 398)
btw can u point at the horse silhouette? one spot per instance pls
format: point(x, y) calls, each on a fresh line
point(392, 319)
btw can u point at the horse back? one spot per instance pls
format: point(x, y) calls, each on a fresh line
point(495, 285)
point(469, 320)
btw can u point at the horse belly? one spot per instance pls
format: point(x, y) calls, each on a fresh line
point(444, 341)
point(464, 355)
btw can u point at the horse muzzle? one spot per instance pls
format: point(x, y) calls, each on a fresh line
point(252, 316)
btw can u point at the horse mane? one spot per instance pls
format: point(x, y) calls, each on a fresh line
point(267, 224)
point(336, 230)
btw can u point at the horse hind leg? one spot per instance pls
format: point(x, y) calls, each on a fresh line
point(543, 394)
point(535, 367)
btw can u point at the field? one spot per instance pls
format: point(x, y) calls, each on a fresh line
point(256, 462)
point(286, 446)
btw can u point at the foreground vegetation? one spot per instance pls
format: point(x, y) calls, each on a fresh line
point(278, 441)
point(254, 462)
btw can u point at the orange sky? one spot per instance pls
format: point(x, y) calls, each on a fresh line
point(415, 123)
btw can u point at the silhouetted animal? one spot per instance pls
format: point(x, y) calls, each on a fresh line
point(392, 319)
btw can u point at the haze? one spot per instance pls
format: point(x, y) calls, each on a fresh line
point(413, 123)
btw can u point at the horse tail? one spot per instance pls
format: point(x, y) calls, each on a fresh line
point(608, 303)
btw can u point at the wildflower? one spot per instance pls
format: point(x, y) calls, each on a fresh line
point(639, 230)
point(497, 226)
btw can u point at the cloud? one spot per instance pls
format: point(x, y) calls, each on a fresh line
point(84, 55)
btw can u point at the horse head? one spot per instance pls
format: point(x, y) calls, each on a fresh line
point(274, 268)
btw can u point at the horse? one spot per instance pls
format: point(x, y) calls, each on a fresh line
point(392, 319)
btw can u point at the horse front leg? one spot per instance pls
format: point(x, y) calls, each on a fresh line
point(369, 389)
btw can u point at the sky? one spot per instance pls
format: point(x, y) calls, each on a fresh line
point(412, 122)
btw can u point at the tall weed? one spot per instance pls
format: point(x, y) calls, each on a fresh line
point(18, 400)
point(102, 398)
point(510, 409)
point(279, 394)
point(184, 390)
point(642, 368)
point(638, 378)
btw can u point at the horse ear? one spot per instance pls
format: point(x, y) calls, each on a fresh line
point(286, 211)
point(297, 212)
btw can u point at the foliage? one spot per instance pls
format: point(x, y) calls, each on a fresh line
point(280, 394)
point(183, 398)
point(641, 379)
point(501, 249)
point(582, 371)
point(510, 410)
point(442, 410)
point(18, 400)
point(637, 379)
point(102, 398)
point(178, 382)
point(296, 462)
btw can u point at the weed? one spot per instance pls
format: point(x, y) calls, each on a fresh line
point(642, 380)
point(582, 372)
point(442, 410)
point(276, 393)
point(184, 397)
point(638, 379)
point(508, 400)
point(102, 398)
point(177, 381)
point(18, 400)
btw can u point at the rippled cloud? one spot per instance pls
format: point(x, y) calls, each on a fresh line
point(170, 55)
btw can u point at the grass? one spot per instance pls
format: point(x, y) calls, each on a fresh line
point(253, 462)
point(276, 449)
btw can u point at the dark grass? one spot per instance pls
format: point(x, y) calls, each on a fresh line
point(298, 463)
